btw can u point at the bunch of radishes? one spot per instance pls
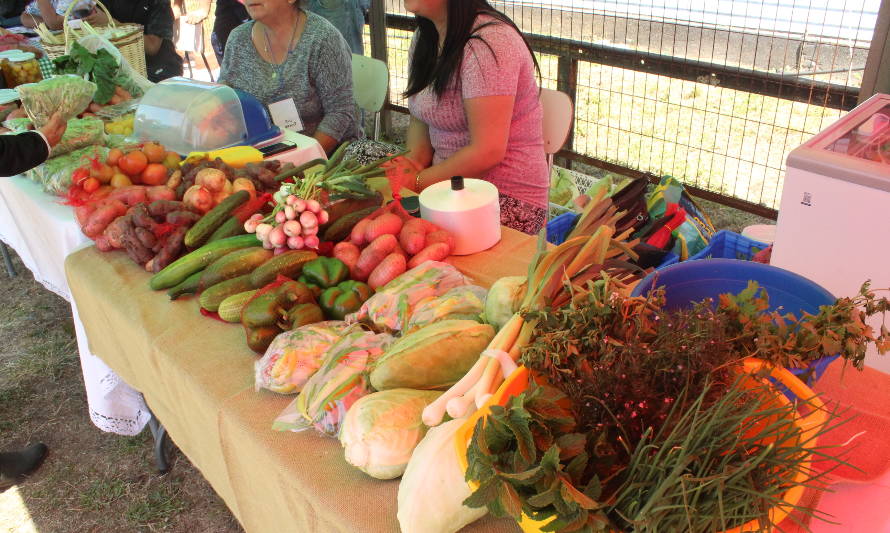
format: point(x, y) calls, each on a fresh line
point(292, 225)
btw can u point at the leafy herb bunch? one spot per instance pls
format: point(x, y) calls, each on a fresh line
point(100, 67)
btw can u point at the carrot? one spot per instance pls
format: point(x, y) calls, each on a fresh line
point(392, 266)
point(387, 223)
point(357, 236)
point(433, 252)
point(373, 254)
point(348, 253)
point(440, 236)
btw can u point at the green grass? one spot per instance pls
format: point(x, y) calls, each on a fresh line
point(160, 504)
point(101, 493)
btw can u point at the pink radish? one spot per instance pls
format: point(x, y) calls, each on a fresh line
point(289, 212)
point(323, 217)
point(299, 205)
point(295, 242)
point(292, 228)
point(307, 232)
point(308, 219)
point(280, 250)
point(262, 231)
point(251, 224)
point(267, 245)
point(291, 200)
point(311, 241)
point(280, 217)
point(277, 237)
point(313, 205)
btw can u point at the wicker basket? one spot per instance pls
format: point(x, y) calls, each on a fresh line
point(131, 43)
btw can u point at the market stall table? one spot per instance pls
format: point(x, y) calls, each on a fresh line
point(197, 376)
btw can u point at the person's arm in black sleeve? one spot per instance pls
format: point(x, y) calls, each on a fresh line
point(22, 152)
point(159, 26)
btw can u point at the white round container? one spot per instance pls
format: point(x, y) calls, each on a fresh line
point(468, 209)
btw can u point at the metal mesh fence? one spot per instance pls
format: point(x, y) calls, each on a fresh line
point(715, 93)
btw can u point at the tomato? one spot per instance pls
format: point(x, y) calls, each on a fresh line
point(133, 163)
point(79, 175)
point(90, 184)
point(101, 172)
point(172, 160)
point(154, 152)
point(154, 174)
point(120, 180)
point(114, 156)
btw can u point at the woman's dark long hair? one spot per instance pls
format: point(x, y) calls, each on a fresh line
point(428, 68)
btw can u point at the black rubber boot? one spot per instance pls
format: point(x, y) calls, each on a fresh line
point(16, 465)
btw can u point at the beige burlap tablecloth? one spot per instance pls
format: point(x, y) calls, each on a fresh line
point(197, 377)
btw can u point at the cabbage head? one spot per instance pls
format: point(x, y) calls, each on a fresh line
point(503, 300)
point(382, 429)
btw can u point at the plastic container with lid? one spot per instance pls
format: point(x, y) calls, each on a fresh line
point(190, 116)
point(20, 68)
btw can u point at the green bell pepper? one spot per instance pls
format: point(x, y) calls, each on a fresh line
point(325, 272)
point(302, 314)
point(316, 290)
point(345, 298)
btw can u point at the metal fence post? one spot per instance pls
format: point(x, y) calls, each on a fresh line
point(377, 22)
point(567, 82)
point(876, 78)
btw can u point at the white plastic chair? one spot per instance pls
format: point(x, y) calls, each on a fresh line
point(557, 110)
point(191, 39)
point(370, 81)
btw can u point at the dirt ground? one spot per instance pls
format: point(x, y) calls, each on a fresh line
point(91, 481)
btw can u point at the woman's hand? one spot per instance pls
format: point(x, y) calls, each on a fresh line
point(403, 172)
point(97, 17)
point(54, 129)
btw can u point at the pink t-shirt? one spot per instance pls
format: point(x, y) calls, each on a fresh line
point(523, 173)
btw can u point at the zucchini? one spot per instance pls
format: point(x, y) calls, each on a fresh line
point(230, 308)
point(289, 264)
point(201, 231)
point(185, 266)
point(212, 297)
point(230, 228)
point(189, 285)
point(234, 264)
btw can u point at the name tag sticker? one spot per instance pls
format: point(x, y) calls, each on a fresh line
point(285, 115)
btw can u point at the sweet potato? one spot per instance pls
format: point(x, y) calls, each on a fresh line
point(440, 236)
point(373, 254)
point(170, 250)
point(82, 213)
point(147, 238)
point(102, 243)
point(160, 192)
point(161, 208)
point(433, 252)
point(357, 235)
point(413, 236)
point(102, 217)
point(387, 223)
point(392, 265)
point(116, 230)
point(130, 195)
point(134, 248)
point(182, 218)
point(142, 218)
point(348, 253)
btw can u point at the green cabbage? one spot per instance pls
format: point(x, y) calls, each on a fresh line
point(381, 430)
point(503, 300)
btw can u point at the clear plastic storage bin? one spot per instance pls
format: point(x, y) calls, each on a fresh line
point(190, 116)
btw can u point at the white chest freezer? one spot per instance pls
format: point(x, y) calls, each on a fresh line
point(834, 218)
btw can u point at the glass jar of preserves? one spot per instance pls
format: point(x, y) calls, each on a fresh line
point(21, 68)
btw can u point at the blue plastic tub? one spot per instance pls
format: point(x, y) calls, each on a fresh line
point(729, 245)
point(694, 281)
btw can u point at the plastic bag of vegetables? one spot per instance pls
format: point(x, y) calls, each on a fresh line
point(392, 306)
point(382, 429)
point(339, 382)
point(465, 303)
point(68, 94)
point(432, 490)
point(55, 174)
point(81, 132)
point(294, 356)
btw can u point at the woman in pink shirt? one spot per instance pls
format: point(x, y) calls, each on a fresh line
point(475, 112)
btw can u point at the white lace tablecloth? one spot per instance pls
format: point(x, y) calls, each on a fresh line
point(43, 233)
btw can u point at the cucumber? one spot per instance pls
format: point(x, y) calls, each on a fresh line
point(230, 308)
point(289, 264)
point(340, 229)
point(201, 231)
point(234, 264)
point(214, 296)
point(189, 285)
point(292, 172)
point(185, 266)
point(230, 228)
